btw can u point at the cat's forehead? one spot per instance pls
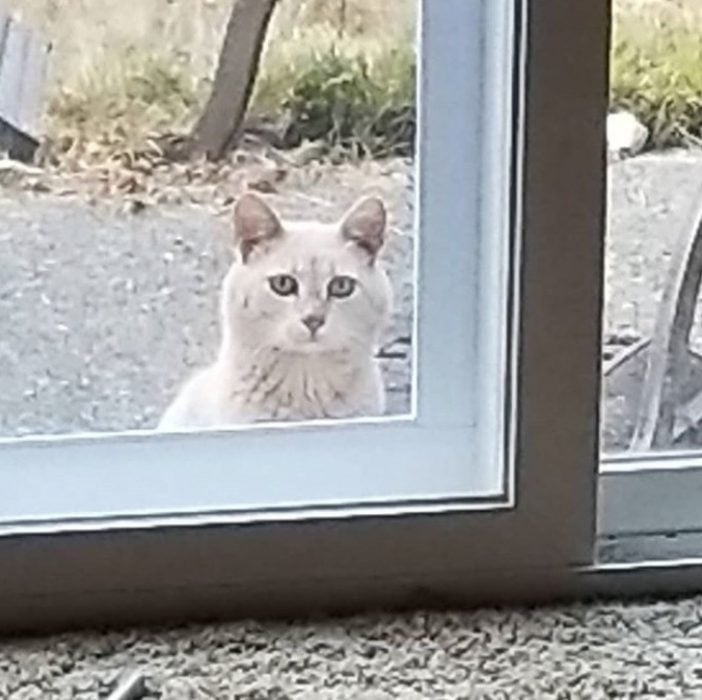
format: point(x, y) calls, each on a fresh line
point(314, 245)
point(313, 234)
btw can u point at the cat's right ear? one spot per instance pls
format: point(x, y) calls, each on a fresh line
point(365, 223)
point(255, 223)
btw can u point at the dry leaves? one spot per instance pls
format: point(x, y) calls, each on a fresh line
point(146, 177)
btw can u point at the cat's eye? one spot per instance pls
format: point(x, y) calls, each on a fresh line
point(341, 287)
point(283, 285)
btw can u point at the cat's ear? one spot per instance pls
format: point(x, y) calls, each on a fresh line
point(255, 223)
point(365, 225)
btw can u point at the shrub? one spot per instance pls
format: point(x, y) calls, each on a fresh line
point(356, 104)
point(656, 71)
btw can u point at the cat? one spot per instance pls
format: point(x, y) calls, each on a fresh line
point(302, 310)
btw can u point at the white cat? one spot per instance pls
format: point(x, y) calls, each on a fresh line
point(302, 310)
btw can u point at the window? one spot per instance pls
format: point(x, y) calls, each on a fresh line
point(80, 460)
point(446, 395)
point(481, 483)
point(650, 429)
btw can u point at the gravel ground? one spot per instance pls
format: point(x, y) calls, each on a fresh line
point(597, 652)
point(652, 200)
point(104, 313)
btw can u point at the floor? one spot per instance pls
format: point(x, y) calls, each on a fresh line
point(599, 651)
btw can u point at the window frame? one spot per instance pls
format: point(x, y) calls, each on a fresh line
point(651, 494)
point(70, 482)
point(539, 549)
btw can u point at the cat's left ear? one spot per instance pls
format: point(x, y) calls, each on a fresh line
point(255, 223)
point(365, 225)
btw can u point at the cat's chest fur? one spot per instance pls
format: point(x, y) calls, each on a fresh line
point(300, 387)
point(277, 388)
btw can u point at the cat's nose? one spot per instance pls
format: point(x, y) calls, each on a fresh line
point(313, 322)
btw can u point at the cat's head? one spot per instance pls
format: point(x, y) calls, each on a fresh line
point(307, 287)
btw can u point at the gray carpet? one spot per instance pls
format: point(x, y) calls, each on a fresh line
point(591, 652)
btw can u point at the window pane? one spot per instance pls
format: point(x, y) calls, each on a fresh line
point(652, 369)
point(652, 363)
point(157, 278)
point(116, 250)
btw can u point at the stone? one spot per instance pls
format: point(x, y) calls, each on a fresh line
point(626, 135)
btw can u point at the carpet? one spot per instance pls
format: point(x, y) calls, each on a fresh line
point(641, 650)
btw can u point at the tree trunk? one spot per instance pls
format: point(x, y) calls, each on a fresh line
point(218, 129)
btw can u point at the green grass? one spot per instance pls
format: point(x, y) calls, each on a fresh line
point(656, 71)
point(355, 95)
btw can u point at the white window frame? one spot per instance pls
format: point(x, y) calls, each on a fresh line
point(336, 558)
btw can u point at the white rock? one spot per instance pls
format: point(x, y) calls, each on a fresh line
point(625, 133)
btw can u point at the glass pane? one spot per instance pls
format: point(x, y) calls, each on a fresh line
point(652, 370)
point(652, 396)
point(189, 265)
point(116, 247)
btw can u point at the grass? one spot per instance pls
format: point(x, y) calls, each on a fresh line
point(340, 71)
point(354, 93)
point(117, 108)
point(656, 69)
point(337, 70)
